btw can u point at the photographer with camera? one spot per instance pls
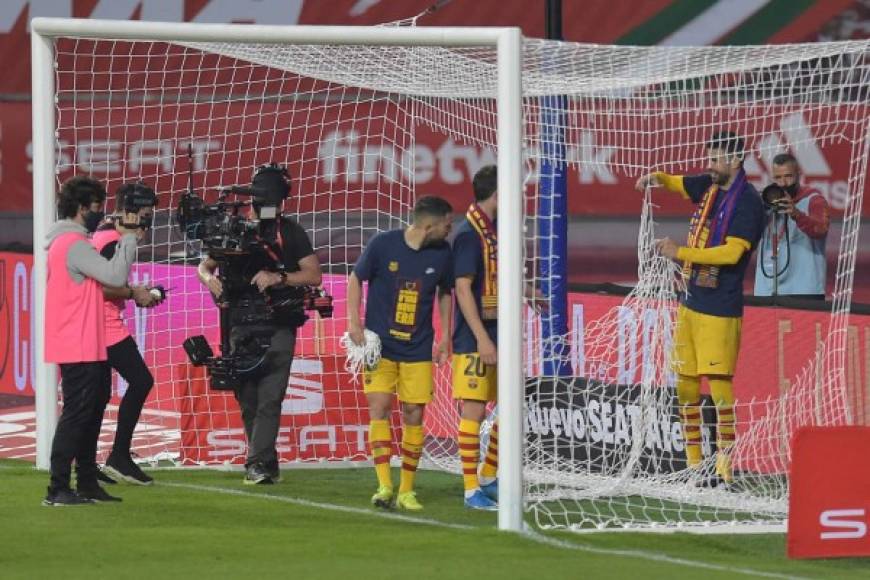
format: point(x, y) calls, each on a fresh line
point(75, 336)
point(791, 257)
point(251, 285)
point(123, 353)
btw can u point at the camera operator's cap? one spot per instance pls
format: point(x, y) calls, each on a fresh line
point(270, 183)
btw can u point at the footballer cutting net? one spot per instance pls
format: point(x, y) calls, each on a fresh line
point(604, 449)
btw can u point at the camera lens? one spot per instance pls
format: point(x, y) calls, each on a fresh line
point(773, 195)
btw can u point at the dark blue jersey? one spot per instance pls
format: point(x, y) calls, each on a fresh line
point(401, 293)
point(725, 297)
point(468, 261)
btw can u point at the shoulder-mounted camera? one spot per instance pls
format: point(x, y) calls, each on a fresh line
point(132, 197)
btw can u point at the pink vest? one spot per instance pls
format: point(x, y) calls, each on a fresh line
point(73, 312)
point(116, 331)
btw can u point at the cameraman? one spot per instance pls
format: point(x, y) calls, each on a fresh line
point(287, 261)
point(798, 238)
point(74, 334)
point(124, 356)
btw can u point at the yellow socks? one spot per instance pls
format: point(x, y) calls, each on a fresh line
point(689, 396)
point(412, 447)
point(490, 463)
point(380, 441)
point(469, 452)
point(722, 391)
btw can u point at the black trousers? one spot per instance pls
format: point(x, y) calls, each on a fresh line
point(125, 358)
point(86, 388)
point(261, 396)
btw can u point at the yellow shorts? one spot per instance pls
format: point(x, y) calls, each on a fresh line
point(412, 381)
point(705, 344)
point(474, 380)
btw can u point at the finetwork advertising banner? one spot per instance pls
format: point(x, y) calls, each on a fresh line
point(333, 157)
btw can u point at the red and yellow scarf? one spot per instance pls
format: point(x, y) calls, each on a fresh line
point(489, 246)
point(706, 234)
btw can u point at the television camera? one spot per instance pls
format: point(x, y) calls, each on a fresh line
point(234, 241)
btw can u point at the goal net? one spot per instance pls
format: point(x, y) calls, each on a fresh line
point(602, 448)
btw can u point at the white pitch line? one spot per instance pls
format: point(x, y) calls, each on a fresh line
point(655, 557)
point(528, 534)
point(320, 505)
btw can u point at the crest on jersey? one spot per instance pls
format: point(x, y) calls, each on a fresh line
point(394, 266)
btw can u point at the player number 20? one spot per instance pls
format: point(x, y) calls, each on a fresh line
point(474, 367)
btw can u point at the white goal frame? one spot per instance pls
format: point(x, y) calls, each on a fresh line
point(508, 45)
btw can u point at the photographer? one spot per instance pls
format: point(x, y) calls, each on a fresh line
point(74, 334)
point(245, 290)
point(791, 258)
point(123, 352)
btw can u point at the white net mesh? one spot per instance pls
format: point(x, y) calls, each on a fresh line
point(603, 450)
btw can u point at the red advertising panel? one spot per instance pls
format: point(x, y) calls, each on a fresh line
point(829, 503)
point(16, 306)
point(324, 414)
point(776, 345)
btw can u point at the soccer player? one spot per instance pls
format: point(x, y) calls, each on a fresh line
point(123, 353)
point(405, 269)
point(725, 228)
point(475, 336)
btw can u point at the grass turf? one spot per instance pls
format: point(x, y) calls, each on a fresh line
point(202, 529)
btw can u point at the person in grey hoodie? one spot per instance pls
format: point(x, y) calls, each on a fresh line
point(75, 336)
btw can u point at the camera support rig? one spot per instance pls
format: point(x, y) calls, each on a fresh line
point(231, 240)
point(243, 353)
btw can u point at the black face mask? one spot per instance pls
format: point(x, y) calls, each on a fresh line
point(93, 220)
point(791, 189)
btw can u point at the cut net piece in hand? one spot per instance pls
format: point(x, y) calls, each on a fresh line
point(358, 356)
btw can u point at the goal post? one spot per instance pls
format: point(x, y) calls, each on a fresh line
point(507, 43)
point(369, 119)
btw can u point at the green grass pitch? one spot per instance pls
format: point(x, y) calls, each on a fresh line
point(318, 524)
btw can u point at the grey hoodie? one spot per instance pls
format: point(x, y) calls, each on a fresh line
point(83, 260)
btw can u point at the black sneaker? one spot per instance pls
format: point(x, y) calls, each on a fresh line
point(97, 494)
point(65, 497)
point(256, 474)
point(124, 469)
point(102, 477)
point(273, 471)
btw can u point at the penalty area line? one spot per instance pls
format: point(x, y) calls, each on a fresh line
point(528, 534)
